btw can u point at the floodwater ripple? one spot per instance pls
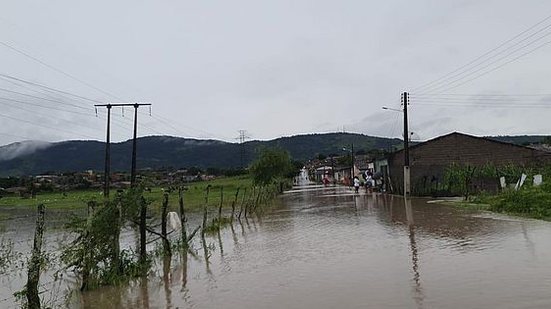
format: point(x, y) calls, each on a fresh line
point(327, 247)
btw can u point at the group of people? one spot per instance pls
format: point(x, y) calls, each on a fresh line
point(368, 181)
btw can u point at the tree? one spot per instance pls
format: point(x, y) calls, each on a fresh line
point(272, 164)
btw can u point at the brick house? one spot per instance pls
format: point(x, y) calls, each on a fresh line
point(429, 160)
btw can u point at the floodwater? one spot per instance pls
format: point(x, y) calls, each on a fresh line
point(326, 247)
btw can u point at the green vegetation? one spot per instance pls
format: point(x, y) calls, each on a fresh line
point(529, 201)
point(158, 152)
point(273, 165)
point(193, 196)
point(95, 254)
point(462, 179)
point(54, 200)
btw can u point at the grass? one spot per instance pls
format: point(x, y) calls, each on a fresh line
point(194, 197)
point(467, 205)
point(58, 200)
point(529, 201)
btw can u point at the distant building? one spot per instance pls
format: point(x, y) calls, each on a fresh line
point(324, 172)
point(429, 160)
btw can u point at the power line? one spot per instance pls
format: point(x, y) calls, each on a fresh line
point(43, 125)
point(42, 98)
point(423, 86)
point(5, 76)
point(47, 116)
point(55, 101)
point(435, 88)
point(40, 91)
point(42, 86)
point(499, 106)
point(498, 67)
point(488, 99)
point(482, 95)
point(42, 106)
point(396, 121)
point(461, 72)
point(51, 108)
point(36, 59)
point(207, 133)
point(58, 70)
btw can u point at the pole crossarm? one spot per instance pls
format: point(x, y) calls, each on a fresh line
point(121, 104)
point(107, 173)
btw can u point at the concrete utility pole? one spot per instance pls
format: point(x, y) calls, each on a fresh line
point(352, 153)
point(407, 182)
point(351, 150)
point(108, 146)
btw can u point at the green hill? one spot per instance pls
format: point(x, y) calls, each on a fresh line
point(173, 152)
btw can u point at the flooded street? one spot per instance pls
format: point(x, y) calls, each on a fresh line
point(329, 248)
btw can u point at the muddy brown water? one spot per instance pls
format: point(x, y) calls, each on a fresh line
point(329, 248)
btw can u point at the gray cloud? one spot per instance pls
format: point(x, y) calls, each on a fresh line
point(21, 148)
point(271, 67)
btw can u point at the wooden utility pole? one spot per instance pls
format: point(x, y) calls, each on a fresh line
point(133, 169)
point(108, 146)
point(407, 183)
point(107, 170)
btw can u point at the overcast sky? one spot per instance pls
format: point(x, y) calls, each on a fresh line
point(273, 68)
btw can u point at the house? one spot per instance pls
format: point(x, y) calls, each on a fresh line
point(324, 172)
point(429, 160)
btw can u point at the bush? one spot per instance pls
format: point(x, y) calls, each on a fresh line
point(531, 201)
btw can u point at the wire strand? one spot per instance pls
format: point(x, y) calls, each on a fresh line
point(484, 54)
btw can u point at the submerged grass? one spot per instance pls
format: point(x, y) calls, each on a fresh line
point(216, 226)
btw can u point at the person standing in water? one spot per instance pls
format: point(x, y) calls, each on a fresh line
point(356, 184)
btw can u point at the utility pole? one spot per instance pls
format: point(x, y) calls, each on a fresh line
point(407, 178)
point(352, 153)
point(133, 169)
point(107, 170)
point(108, 145)
point(333, 169)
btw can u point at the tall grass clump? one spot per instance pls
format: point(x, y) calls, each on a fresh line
point(529, 201)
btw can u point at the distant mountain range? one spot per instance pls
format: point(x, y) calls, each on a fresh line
point(35, 157)
point(32, 157)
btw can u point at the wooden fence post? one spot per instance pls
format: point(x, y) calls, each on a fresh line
point(143, 214)
point(33, 276)
point(164, 212)
point(182, 215)
point(220, 207)
point(233, 205)
point(205, 211)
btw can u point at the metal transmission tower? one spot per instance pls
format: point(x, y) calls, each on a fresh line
point(107, 175)
point(242, 137)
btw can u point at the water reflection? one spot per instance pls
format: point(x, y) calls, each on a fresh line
point(328, 248)
point(167, 280)
point(418, 291)
point(144, 293)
